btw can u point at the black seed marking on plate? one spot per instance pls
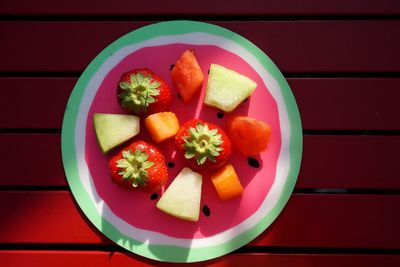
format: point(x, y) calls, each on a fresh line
point(247, 99)
point(220, 115)
point(154, 196)
point(253, 162)
point(179, 95)
point(171, 66)
point(206, 210)
point(171, 164)
point(208, 72)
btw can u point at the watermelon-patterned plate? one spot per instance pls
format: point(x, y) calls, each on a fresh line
point(131, 219)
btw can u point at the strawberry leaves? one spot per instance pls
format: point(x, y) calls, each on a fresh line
point(202, 144)
point(139, 92)
point(139, 166)
point(133, 166)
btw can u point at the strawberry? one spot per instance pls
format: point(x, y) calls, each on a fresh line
point(139, 165)
point(204, 145)
point(141, 91)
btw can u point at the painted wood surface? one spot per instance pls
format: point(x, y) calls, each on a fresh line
point(341, 59)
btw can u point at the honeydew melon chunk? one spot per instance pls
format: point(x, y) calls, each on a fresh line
point(114, 129)
point(182, 197)
point(226, 89)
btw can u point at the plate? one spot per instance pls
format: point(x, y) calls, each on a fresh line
point(130, 219)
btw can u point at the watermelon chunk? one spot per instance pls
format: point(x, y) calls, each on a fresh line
point(248, 135)
point(187, 75)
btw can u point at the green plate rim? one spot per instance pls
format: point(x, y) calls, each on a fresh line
point(173, 253)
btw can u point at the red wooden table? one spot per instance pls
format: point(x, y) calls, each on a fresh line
point(342, 61)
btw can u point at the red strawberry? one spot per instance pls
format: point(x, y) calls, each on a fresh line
point(203, 145)
point(141, 91)
point(140, 165)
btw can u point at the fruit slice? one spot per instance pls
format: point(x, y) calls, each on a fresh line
point(187, 75)
point(226, 89)
point(182, 197)
point(114, 129)
point(162, 125)
point(248, 135)
point(227, 183)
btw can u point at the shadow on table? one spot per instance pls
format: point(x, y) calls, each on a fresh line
point(144, 247)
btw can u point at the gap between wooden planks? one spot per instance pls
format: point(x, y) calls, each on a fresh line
point(329, 161)
point(317, 220)
point(295, 46)
point(11, 258)
point(324, 103)
point(237, 8)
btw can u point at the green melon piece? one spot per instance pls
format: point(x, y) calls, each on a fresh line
point(182, 197)
point(114, 129)
point(226, 89)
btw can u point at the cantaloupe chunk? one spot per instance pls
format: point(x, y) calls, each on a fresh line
point(227, 183)
point(162, 125)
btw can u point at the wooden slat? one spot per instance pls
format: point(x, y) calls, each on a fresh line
point(44, 217)
point(299, 46)
point(205, 7)
point(330, 221)
point(324, 104)
point(350, 162)
point(34, 102)
point(43, 164)
point(347, 104)
point(368, 162)
point(10, 258)
point(363, 221)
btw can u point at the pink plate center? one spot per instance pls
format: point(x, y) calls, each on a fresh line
point(137, 208)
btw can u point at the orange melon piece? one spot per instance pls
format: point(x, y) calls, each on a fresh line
point(162, 125)
point(227, 183)
point(187, 75)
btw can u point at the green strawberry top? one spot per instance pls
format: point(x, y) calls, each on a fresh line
point(139, 92)
point(134, 166)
